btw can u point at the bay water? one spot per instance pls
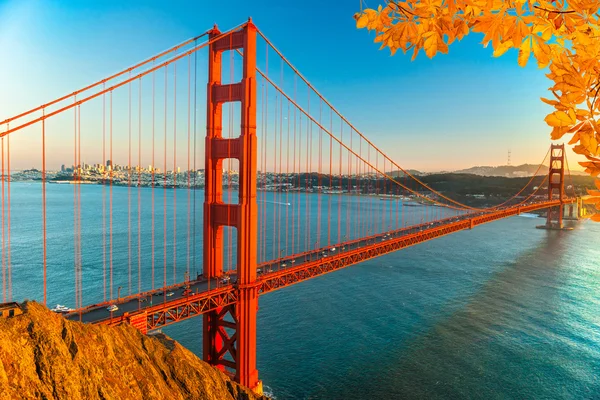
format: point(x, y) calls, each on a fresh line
point(503, 311)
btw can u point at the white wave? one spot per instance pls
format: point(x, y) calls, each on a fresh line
point(276, 202)
point(267, 391)
point(527, 215)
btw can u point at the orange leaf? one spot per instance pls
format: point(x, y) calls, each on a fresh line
point(551, 102)
point(503, 48)
point(524, 52)
point(361, 20)
point(560, 118)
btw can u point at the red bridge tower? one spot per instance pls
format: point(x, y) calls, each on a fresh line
point(556, 185)
point(229, 333)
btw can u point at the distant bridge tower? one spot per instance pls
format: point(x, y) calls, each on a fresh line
point(229, 333)
point(556, 185)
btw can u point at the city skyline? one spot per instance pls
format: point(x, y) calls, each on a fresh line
point(66, 167)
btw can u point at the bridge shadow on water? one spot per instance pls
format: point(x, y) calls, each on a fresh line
point(512, 339)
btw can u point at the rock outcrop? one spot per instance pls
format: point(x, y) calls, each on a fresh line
point(44, 356)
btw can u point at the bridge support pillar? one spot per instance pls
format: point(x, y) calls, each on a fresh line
point(138, 321)
point(229, 333)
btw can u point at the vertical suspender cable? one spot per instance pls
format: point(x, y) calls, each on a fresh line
point(275, 197)
point(44, 237)
point(129, 192)
point(340, 198)
point(189, 83)
point(165, 195)
point(110, 195)
point(79, 260)
point(295, 183)
point(279, 176)
point(264, 163)
point(75, 178)
point(260, 139)
point(298, 198)
point(287, 180)
point(309, 160)
point(153, 168)
point(4, 280)
point(104, 192)
point(329, 196)
point(8, 219)
point(351, 197)
point(195, 172)
point(174, 172)
point(308, 176)
point(139, 188)
point(319, 172)
point(265, 143)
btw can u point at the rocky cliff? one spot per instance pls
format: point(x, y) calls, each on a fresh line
point(43, 356)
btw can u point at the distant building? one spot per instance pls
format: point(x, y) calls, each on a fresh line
point(62, 168)
point(108, 163)
point(10, 309)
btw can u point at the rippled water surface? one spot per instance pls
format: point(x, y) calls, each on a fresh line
point(500, 312)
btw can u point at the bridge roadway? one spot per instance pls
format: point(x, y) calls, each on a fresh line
point(166, 306)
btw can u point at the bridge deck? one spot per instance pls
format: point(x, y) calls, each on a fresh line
point(165, 307)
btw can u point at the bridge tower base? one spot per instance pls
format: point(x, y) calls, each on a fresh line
point(229, 333)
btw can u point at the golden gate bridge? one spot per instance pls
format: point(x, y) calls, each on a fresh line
point(285, 176)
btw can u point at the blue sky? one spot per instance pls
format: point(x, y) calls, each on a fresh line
point(455, 111)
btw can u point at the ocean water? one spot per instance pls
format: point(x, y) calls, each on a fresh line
point(504, 311)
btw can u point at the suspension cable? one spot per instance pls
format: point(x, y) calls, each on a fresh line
point(103, 81)
point(322, 98)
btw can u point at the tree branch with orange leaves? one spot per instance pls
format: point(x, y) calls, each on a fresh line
point(560, 35)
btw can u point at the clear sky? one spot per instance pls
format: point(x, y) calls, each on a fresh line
point(455, 111)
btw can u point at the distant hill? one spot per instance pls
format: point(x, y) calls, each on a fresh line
point(507, 170)
point(400, 174)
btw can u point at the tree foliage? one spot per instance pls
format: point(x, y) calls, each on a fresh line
point(562, 35)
